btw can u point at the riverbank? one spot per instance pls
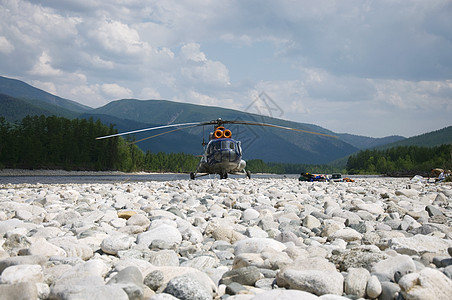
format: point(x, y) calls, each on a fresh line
point(238, 238)
point(43, 172)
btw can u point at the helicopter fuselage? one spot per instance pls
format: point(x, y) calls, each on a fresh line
point(221, 156)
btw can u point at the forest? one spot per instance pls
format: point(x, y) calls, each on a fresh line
point(40, 142)
point(402, 159)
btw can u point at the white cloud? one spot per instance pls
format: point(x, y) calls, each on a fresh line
point(5, 46)
point(116, 91)
point(198, 69)
point(43, 67)
point(149, 93)
point(117, 37)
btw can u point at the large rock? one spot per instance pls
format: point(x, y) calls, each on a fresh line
point(285, 295)
point(356, 282)
point(114, 244)
point(130, 280)
point(19, 291)
point(42, 247)
point(420, 244)
point(186, 287)
point(245, 276)
point(257, 245)
point(403, 264)
point(427, 284)
point(163, 232)
point(346, 234)
point(22, 273)
point(314, 275)
point(313, 281)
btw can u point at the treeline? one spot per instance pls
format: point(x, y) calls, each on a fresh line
point(56, 142)
point(40, 142)
point(403, 159)
point(259, 166)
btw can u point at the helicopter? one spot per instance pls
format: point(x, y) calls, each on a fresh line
point(222, 154)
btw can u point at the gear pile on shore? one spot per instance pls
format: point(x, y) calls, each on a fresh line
point(264, 239)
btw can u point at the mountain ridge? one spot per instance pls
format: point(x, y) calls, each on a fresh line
point(269, 144)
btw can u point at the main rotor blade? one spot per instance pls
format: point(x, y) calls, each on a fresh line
point(147, 129)
point(163, 133)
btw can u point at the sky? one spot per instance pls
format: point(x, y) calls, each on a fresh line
point(372, 68)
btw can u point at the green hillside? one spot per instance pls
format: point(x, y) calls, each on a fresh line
point(429, 139)
point(13, 109)
point(18, 89)
point(364, 142)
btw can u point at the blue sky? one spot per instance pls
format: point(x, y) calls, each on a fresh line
point(373, 68)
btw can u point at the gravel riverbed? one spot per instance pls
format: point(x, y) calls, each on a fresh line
point(385, 238)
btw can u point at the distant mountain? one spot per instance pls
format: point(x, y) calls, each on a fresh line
point(364, 142)
point(14, 109)
point(429, 139)
point(19, 99)
point(21, 90)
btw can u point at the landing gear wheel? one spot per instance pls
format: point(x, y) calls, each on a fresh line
point(192, 175)
point(224, 175)
point(248, 174)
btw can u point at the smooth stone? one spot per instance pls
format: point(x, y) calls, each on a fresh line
point(265, 283)
point(448, 271)
point(170, 272)
point(420, 244)
point(250, 214)
point(410, 193)
point(67, 217)
point(285, 295)
point(164, 258)
point(234, 288)
point(255, 232)
point(246, 276)
point(346, 234)
point(163, 296)
point(102, 292)
point(433, 211)
point(130, 280)
point(115, 243)
point(22, 260)
point(79, 279)
point(126, 214)
point(42, 247)
point(400, 263)
point(313, 281)
point(257, 245)
point(311, 222)
point(389, 291)
point(314, 275)
point(22, 273)
point(23, 215)
point(164, 232)
point(186, 287)
point(427, 284)
point(356, 281)
point(138, 220)
point(373, 288)
point(201, 263)
point(19, 291)
point(227, 234)
point(73, 247)
point(154, 280)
